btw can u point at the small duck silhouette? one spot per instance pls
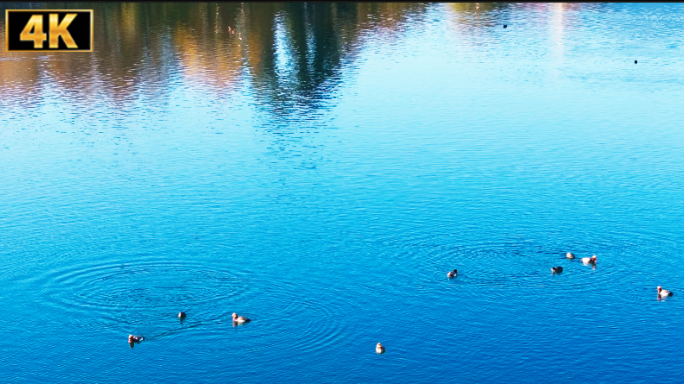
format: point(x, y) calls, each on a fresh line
point(182, 315)
point(379, 349)
point(664, 292)
point(132, 340)
point(556, 269)
point(452, 273)
point(240, 319)
point(589, 260)
point(569, 255)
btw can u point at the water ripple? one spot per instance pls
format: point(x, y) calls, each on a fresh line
point(137, 295)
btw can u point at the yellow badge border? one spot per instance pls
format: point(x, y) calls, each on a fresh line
point(92, 30)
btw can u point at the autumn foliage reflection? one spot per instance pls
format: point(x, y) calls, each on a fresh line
point(289, 54)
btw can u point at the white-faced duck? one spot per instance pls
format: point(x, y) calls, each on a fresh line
point(589, 260)
point(452, 273)
point(664, 292)
point(379, 349)
point(569, 255)
point(240, 319)
point(556, 269)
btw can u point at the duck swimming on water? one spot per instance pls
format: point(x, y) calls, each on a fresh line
point(379, 349)
point(556, 269)
point(452, 273)
point(569, 255)
point(240, 319)
point(664, 292)
point(589, 260)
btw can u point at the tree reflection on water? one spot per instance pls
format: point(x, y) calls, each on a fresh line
point(289, 55)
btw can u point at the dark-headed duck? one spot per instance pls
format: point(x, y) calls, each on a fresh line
point(589, 260)
point(134, 339)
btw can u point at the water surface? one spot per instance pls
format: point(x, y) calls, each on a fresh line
point(319, 168)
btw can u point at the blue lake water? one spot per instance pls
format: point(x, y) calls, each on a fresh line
point(321, 169)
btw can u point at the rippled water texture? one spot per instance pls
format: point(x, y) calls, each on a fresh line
point(319, 168)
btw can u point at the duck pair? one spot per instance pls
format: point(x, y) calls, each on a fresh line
point(182, 315)
point(236, 318)
point(662, 293)
point(585, 260)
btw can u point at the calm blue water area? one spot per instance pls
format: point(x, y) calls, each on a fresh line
point(321, 170)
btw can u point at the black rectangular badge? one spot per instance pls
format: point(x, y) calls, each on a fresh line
point(49, 30)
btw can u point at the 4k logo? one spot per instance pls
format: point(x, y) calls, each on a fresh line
point(49, 30)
